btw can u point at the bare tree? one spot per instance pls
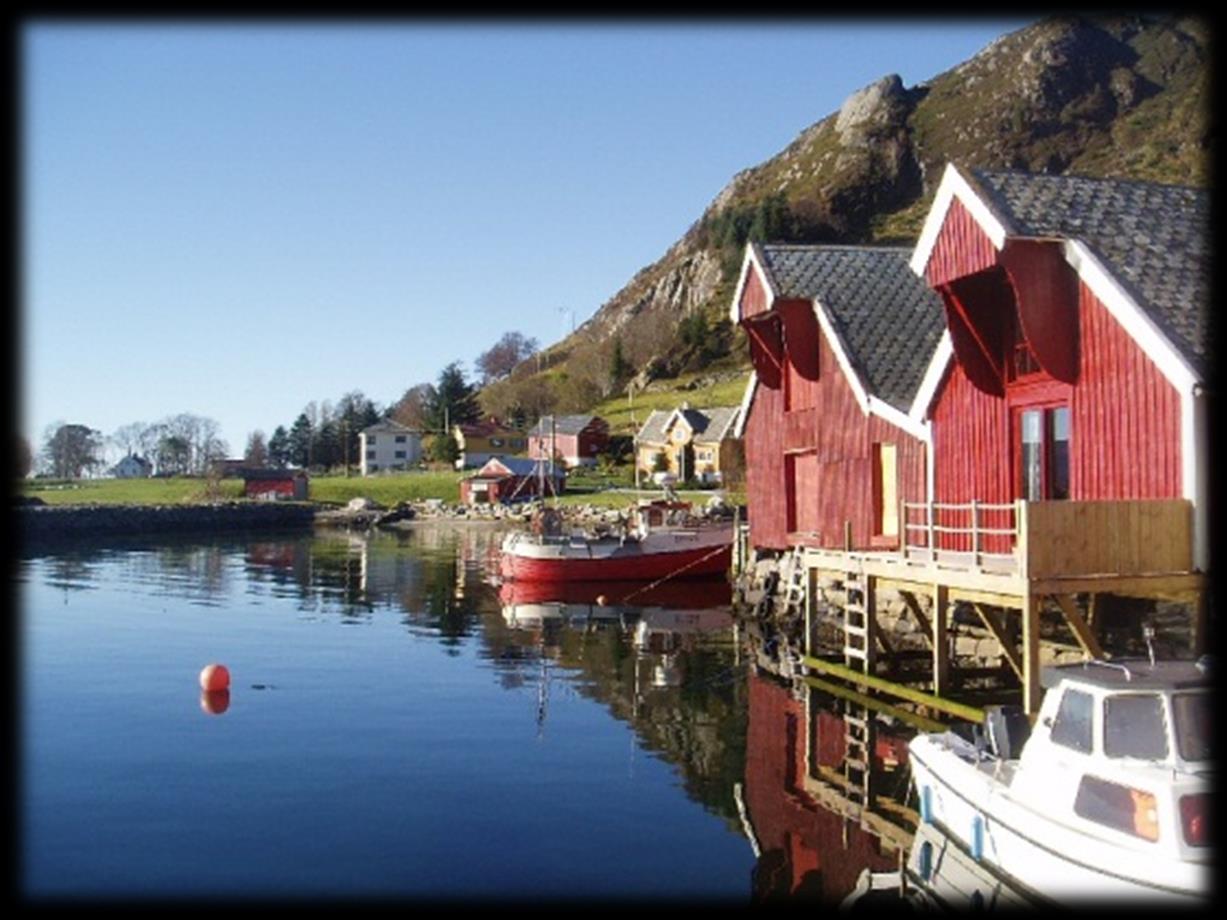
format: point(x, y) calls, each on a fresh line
point(504, 355)
point(413, 409)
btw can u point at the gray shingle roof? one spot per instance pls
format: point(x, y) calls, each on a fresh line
point(889, 319)
point(563, 424)
point(1153, 238)
point(713, 424)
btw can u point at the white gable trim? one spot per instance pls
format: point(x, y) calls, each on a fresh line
point(1194, 469)
point(841, 355)
point(1132, 318)
point(954, 185)
point(747, 399)
point(901, 420)
point(750, 259)
point(932, 378)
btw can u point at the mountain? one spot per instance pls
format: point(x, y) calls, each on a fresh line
point(1126, 97)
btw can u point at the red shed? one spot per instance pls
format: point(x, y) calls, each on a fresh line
point(576, 439)
point(840, 338)
point(275, 484)
point(1076, 350)
point(506, 479)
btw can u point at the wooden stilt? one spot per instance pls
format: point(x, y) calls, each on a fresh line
point(998, 630)
point(941, 644)
point(1032, 691)
point(1082, 632)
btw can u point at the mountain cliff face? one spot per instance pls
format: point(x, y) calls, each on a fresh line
point(1122, 97)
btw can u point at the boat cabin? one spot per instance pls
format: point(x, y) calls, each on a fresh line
point(1124, 747)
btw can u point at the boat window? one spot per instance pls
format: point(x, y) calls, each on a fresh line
point(1133, 726)
point(1072, 726)
point(1120, 807)
point(1191, 712)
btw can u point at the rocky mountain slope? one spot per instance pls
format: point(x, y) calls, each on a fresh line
point(1122, 96)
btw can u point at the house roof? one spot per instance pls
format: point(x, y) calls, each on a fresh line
point(1152, 238)
point(518, 466)
point(708, 425)
point(562, 424)
point(262, 474)
point(484, 429)
point(388, 424)
point(887, 318)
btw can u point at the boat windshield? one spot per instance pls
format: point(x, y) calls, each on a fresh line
point(1193, 720)
point(1134, 726)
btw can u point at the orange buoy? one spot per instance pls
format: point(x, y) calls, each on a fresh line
point(215, 702)
point(214, 677)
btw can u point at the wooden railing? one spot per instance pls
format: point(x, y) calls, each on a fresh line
point(1053, 538)
point(975, 534)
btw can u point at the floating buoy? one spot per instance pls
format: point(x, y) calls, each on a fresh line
point(600, 600)
point(214, 677)
point(215, 702)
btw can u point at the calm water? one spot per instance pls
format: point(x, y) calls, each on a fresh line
point(396, 727)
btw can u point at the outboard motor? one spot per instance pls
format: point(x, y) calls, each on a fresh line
point(1007, 729)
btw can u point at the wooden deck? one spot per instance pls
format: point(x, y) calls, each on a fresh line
point(1012, 558)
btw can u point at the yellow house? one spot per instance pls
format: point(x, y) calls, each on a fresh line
point(694, 442)
point(479, 441)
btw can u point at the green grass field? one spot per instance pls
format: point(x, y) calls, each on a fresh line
point(620, 410)
point(175, 491)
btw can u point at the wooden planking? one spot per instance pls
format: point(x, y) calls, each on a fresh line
point(1112, 538)
point(1125, 416)
point(961, 247)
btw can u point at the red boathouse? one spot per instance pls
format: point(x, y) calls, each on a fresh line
point(840, 337)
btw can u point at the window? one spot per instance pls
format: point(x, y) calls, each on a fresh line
point(1043, 453)
point(370, 439)
point(1133, 726)
point(400, 439)
point(1072, 726)
point(372, 467)
point(370, 455)
point(1123, 808)
point(496, 442)
point(399, 454)
point(1191, 713)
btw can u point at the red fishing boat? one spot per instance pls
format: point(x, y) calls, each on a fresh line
point(661, 539)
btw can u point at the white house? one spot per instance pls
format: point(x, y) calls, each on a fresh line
point(132, 467)
point(388, 445)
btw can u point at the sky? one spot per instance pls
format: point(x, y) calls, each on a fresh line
point(234, 219)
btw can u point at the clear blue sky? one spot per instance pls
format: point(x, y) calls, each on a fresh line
point(234, 220)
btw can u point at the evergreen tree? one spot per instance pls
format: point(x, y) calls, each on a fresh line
point(300, 441)
point(455, 399)
point(279, 447)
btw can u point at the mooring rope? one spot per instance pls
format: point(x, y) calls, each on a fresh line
point(673, 574)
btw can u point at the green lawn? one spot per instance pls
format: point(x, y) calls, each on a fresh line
point(388, 489)
point(174, 491)
point(619, 410)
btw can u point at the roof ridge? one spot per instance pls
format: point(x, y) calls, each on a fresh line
point(1114, 180)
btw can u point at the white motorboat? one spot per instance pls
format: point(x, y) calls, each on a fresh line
point(1109, 800)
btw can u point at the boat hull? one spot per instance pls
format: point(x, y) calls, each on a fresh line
point(681, 555)
point(1040, 857)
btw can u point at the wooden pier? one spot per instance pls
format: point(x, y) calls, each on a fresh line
point(1004, 562)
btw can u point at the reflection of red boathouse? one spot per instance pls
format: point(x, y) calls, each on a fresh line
point(806, 850)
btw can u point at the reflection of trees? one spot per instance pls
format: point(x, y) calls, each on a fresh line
point(698, 725)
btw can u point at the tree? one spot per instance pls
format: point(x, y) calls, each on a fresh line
point(504, 355)
point(279, 447)
point(173, 455)
point(133, 438)
point(354, 413)
point(455, 400)
point(413, 409)
point(256, 453)
point(443, 448)
point(619, 368)
point(300, 441)
point(70, 450)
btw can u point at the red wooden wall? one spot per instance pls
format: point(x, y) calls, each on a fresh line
point(1124, 422)
point(812, 469)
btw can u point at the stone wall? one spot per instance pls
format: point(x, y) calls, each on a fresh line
point(52, 522)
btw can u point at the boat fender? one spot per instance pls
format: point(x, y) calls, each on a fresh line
point(926, 804)
point(977, 838)
point(926, 861)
